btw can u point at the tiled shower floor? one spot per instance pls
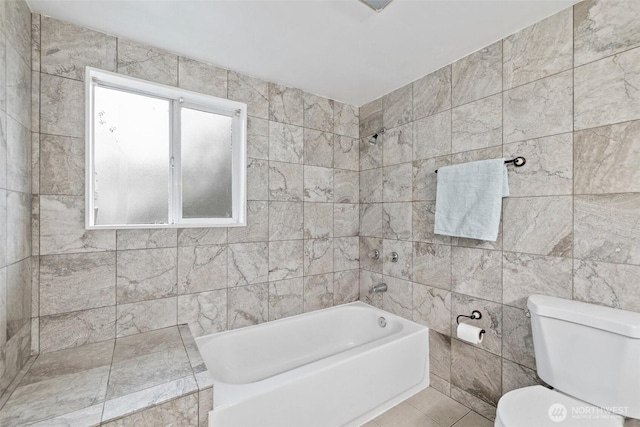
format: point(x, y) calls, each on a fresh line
point(429, 408)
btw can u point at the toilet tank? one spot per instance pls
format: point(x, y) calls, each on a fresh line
point(588, 351)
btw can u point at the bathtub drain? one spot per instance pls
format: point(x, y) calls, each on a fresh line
point(382, 322)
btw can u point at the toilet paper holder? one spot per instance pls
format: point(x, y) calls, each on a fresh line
point(475, 315)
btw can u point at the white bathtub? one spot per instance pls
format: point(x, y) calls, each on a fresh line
point(333, 367)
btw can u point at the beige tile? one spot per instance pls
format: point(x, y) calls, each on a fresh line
point(73, 329)
point(202, 236)
point(285, 298)
point(477, 405)
point(613, 285)
point(285, 105)
point(517, 376)
point(423, 221)
point(285, 182)
point(285, 220)
point(432, 93)
point(77, 282)
point(18, 223)
point(248, 305)
point(286, 259)
point(346, 253)
point(257, 179)
point(182, 411)
point(286, 142)
point(396, 183)
point(346, 220)
point(345, 119)
point(202, 77)
point(150, 397)
point(146, 316)
point(397, 145)
point(517, 337)
point(62, 228)
point(477, 125)
point(146, 239)
point(432, 308)
point(367, 260)
point(257, 138)
point(473, 419)
point(424, 177)
point(549, 168)
point(205, 312)
point(318, 148)
point(202, 268)
point(491, 321)
point(404, 415)
point(477, 272)
point(146, 62)
point(432, 136)
point(371, 219)
point(205, 404)
point(432, 265)
point(318, 184)
point(66, 49)
point(252, 91)
point(477, 75)
point(476, 371)
point(346, 286)
point(606, 91)
point(318, 112)
point(18, 92)
point(540, 50)
point(318, 292)
point(318, 220)
point(346, 152)
point(61, 106)
point(346, 186)
point(248, 264)
point(399, 297)
point(440, 408)
point(605, 228)
point(397, 107)
point(257, 228)
point(318, 256)
point(606, 159)
point(541, 108)
point(370, 118)
point(146, 274)
point(525, 275)
point(370, 154)
point(440, 356)
point(439, 384)
point(18, 297)
point(538, 225)
point(369, 279)
point(18, 159)
point(371, 186)
point(397, 220)
point(403, 267)
point(603, 28)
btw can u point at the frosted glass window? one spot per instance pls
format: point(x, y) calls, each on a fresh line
point(132, 155)
point(206, 163)
point(160, 156)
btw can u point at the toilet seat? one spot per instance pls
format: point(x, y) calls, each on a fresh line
point(530, 407)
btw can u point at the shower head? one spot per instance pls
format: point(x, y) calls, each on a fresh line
point(374, 137)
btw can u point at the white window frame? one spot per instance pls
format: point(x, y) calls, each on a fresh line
point(177, 98)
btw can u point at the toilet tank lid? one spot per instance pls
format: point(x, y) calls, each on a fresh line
point(614, 320)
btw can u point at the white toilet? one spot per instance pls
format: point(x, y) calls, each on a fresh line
point(590, 355)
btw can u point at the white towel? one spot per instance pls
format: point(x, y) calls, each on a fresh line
point(469, 199)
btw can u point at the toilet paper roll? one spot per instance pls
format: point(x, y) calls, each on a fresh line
point(470, 333)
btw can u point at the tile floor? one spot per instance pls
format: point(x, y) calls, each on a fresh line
point(429, 408)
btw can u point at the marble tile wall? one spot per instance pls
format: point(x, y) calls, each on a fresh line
point(298, 253)
point(564, 94)
point(15, 189)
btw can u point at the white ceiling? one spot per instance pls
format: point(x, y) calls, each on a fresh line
point(340, 49)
